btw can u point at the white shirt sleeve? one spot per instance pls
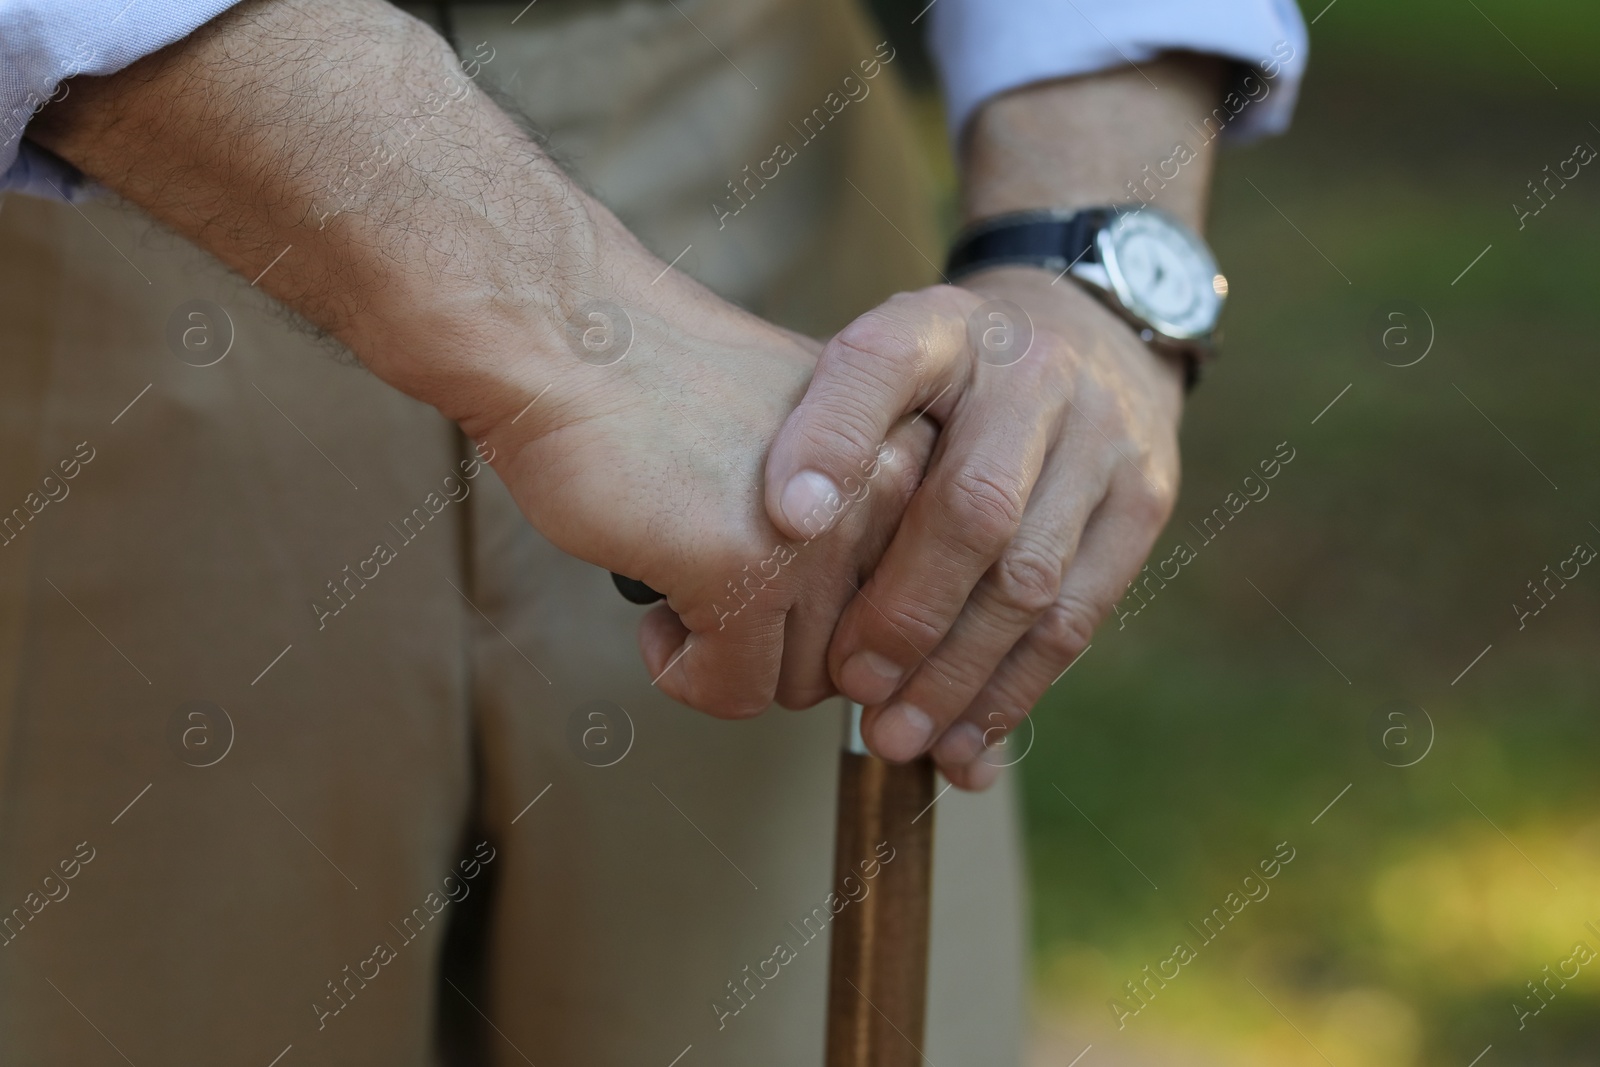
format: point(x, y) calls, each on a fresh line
point(986, 47)
point(45, 42)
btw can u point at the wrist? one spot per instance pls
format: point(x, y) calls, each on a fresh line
point(539, 324)
point(1102, 341)
point(527, 303)
point(1092, 141)
point(451, 322)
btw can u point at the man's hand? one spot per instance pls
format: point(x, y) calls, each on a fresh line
point(1053, 473)
point(1052, 478)
point(649, 464)
point(628, 408)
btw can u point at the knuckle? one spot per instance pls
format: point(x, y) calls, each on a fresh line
point(1150, 506)
point(1027, 579)
point(985, 507)
point(844, 429)
point(951, 302)
point(1066, 628)
point(905, 620)
point(938, 299)
point(878, 338)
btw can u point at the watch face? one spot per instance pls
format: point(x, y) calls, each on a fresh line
point(1162, 273)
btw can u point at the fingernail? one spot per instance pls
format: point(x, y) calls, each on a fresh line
point(868, 678)
point(810, 503)
point(960, 745)
point(901, 733)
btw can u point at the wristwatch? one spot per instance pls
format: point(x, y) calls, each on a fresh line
point(1148, 267)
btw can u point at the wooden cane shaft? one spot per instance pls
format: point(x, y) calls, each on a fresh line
point(878, 967)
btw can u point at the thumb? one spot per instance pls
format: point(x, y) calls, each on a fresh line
point(908, 354)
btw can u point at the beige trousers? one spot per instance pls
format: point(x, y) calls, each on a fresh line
point(443, 818)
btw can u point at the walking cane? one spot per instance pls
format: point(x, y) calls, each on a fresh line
point(878, 963)
point(878, 954)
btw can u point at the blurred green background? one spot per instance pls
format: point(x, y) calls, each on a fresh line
point(1208, 730)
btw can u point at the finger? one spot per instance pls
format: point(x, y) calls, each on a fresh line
point(899, 358)
point(974, 777)
point(1010, 597)
point(803, 679)
point(1114, 547)
point(970, 506)
point(730, 673)
point(856, 546)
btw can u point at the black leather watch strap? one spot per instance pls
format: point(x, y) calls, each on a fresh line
point(1054, 240)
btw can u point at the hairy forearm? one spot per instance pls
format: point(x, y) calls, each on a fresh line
point(1087, 141)
point(347, 137)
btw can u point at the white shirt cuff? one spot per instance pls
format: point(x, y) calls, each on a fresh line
point(986, 47)
point(45, 42)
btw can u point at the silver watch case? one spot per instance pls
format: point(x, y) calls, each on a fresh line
point(1193, 332)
